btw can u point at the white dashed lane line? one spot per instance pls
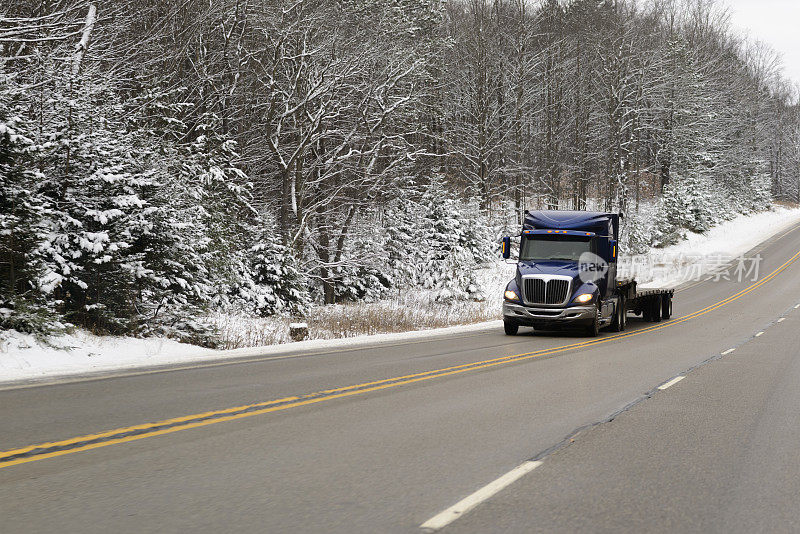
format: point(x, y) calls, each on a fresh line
point(781, 319)
point(728, 351)
point(671, 383)
point(466, 504)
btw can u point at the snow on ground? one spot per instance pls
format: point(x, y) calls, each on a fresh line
point(22, 357)
point(699, 255)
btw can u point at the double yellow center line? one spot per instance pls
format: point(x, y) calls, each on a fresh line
point(132, 433)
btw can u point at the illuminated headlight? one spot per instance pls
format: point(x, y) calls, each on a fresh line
point(583, 299)
point(510, 295)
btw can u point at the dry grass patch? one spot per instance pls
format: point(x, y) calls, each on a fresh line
point(406, 311)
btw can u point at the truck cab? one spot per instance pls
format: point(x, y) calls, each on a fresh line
point(566, 273)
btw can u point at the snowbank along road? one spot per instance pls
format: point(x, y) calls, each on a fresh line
point(471, 432)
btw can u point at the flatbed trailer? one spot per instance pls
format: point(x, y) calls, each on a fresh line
point(652, 304)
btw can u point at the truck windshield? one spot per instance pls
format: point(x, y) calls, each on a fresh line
point(565, 248)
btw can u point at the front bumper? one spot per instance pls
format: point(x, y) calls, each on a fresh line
point(532, 316)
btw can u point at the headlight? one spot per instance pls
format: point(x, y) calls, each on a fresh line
point(510, 295)
point(583, 299)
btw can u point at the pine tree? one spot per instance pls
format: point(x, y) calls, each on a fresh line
point(22, 230)
point(98, 214)
point(196, 254)
point(455, 244)
point(94, 183)
point(275, 284)
point(363, 275)
point(404, 243)
point(688, 203)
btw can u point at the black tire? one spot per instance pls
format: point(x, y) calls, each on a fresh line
point(655, 309)
point(646, 315)
point(666, 307)
point(620, 316)
point(593, 330)
point(510, 328)
point(624, 313)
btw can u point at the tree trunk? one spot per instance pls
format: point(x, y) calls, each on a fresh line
point(83, 45)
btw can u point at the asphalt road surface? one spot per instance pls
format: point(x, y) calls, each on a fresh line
point(471, 433)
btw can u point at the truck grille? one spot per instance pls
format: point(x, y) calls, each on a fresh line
point(538, 291)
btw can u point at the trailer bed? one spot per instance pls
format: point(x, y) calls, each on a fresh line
point(652, 304)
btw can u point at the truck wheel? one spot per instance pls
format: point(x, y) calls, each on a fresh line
point(620, 316)
point(510, 328)
point(593, 330)
point(666, 306)
point(624, 313)
point(655, 310)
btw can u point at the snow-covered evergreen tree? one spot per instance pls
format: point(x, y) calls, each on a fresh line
point(94, 186)
point(404, 243)
point(637, 230)
point(173, 284)
point(363, 275)
point(22, 230)
point(209, 247)
point(688, 204)
point(456, 241)
point(275, 284)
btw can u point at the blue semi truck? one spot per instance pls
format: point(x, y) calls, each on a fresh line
point(567, 276)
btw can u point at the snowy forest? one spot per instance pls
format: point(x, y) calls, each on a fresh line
point(160, 159)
